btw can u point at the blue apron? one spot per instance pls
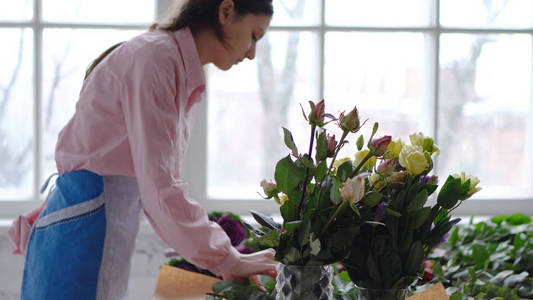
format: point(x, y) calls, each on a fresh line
point(81, 245)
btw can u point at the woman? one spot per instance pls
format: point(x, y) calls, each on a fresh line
point(122, 151)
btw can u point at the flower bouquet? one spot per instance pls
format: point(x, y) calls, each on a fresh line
point(369, 213)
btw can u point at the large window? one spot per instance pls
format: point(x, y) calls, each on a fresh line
point(46, 48)
point(460, 71)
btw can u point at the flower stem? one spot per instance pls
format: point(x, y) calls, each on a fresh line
point(337, 211)
point(344, 134)
point(367, 157)
point(313, 128)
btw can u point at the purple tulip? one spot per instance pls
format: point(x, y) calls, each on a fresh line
point(444, 240)
point(186, 266)
point(245, 249)
point(233, 228)
point(380, 211)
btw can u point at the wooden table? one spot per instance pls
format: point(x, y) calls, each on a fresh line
point(178, 284)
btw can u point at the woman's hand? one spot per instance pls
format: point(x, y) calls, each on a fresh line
point(250, 265)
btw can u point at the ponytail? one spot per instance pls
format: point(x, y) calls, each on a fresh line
point(99, 59)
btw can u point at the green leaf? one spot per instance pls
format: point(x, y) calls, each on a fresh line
point(372, 265)
point(289, 141)
point(418, 202)
point(421, 216)
point(303, 233)
point(334, 193)
point(518, 219)
point(372, 199)
point(265, 220)
point(315, 246)
point(449, 193)
point(344, 276)
point(392, 212)
point(454, 237)
point(360, 142)
point(481, 255)
point(306, 162)
point(288, 211)
point(406, 241)
point(321, 146)
point(321, 169)
point(345, 170)
point(222, 285)
point(415, 258)
point(288, 175)
point(430, 188)
point(353, 206)
point(291, 226)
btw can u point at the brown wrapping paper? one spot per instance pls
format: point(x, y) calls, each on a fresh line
point(434, 292)
point(178, 284)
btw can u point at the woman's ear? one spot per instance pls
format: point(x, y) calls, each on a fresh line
point(226, 9)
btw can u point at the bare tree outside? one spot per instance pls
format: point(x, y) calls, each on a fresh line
point(15, 161)
point(276, 93)
point(458, 88)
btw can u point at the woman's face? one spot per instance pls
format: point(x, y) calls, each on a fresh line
point(241, 34)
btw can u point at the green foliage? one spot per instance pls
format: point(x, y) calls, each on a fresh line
point(488, 260)
point(232, 290)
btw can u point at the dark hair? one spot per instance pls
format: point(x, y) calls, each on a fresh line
point(198, 15)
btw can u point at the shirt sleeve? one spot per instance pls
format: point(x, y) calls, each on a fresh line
point(150, 115)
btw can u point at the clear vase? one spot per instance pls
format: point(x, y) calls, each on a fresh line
point(304, 282)
point(381, 294)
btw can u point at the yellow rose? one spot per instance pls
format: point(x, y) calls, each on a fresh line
point(426, 142)
point(360, 155)
point(412, 158)
point(337, 163)
point(417, 139)
point(395, 147)
point(373, 178)
point(473, 184)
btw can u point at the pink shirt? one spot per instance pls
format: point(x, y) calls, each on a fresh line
point(133, 118)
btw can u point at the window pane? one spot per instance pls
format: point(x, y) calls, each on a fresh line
point(66, 55)
point(19, 10)
point(484, 102)
point(247, 107)
point(99, 11)
point(296, 12)
point(378, 13)
point(387, 86)
point(487, 13)
point(16, 114)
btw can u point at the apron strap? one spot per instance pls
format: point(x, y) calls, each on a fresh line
point(45, 184)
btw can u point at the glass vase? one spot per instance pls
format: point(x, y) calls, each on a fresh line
point(381, 294)
point(304, 282)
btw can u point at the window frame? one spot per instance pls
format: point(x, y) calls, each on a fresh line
point(11, 208)
point(195, 163)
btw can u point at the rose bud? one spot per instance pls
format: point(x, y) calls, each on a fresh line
point(378, 146)
point(332, 144)
point(350, 122)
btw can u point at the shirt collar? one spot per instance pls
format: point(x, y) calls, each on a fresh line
point(195, 78)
